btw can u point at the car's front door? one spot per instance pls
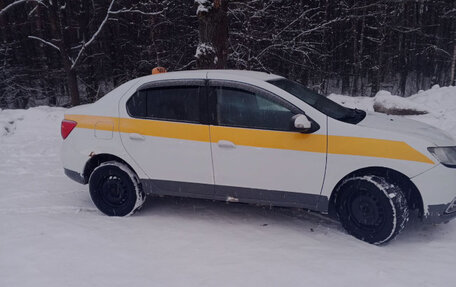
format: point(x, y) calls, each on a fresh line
point(163, 131)
point(258, 155)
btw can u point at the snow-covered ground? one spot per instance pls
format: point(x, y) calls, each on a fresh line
point(52, 235)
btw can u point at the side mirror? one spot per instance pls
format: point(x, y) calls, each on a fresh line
point(302, 123)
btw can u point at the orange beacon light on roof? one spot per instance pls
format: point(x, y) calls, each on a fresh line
point(158, 70)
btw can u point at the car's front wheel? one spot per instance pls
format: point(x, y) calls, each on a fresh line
point(115, 189)
point(371, 209)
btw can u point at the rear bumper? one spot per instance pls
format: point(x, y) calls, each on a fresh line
point(74, 176)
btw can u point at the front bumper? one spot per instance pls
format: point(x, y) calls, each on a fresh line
point(437, 187)
point(436, 214)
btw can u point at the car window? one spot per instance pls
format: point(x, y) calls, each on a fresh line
point(170, 103)
point(240, 108)
point(319, 102)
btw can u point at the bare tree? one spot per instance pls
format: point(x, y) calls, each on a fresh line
point(452, 16)
point(58, 13)
point(285, 39)
point(50, 50)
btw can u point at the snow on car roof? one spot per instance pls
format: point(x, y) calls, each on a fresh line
point(252, 74)
point(203, 74)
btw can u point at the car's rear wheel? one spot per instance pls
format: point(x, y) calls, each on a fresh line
point(115, 189)
point(371, 209)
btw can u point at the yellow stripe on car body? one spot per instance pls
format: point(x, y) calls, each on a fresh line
point(344, 145)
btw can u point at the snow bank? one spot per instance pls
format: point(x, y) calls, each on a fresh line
point(8, 121)
point(439, 103)
point(386, 103)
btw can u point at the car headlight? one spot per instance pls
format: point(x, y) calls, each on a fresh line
point(446, 155)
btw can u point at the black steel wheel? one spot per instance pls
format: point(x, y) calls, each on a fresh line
point(371, 209)
point(115, 189)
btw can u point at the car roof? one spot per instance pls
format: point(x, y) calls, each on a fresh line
point(235, 75)
point(205, 74)
point(244, 73)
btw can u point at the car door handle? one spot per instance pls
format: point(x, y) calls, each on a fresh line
point(136, 136)
point(226, 144)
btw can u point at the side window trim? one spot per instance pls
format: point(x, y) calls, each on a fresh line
point(173, 84)
point(204, 105)
point(212, 98)
point(255, 90)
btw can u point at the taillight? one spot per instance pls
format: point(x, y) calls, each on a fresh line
point(67, 127)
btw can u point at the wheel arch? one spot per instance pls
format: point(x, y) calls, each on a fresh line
point(98, 159)
point(411, 192)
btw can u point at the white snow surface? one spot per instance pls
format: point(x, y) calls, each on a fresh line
point(204, 49)
point(389, 101)
point(203, 6)
point(51, 234)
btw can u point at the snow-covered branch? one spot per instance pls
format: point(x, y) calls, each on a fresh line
point(203, 6)
point(295, 20)
point(316, 28)
point(109, 12)
point(131, 10)
point(44, 42)
point(94, 36)
point(17, 2)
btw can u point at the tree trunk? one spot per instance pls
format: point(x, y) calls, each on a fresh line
point(403, 73)
point(453, 66)
point(345, 80)
point(358, 47)
point(377, 72)
point(71, 77)
point(58, 30)
point(73, 88)
point(213, 35)
point(354, 88)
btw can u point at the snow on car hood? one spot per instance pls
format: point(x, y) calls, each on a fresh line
point(409, 127)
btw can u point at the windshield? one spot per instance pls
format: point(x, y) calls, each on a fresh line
point(319, 102)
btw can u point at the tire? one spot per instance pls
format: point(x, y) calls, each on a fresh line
point(371, 209)
point(115, 189)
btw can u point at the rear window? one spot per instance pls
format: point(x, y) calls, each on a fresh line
point(170, 103)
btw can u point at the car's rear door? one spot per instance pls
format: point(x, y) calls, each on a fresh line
point(163, 130)
point(258, 156)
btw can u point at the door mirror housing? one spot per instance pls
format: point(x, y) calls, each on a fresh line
point(302, 123)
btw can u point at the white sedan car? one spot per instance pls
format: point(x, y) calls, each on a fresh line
point(252, 137)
